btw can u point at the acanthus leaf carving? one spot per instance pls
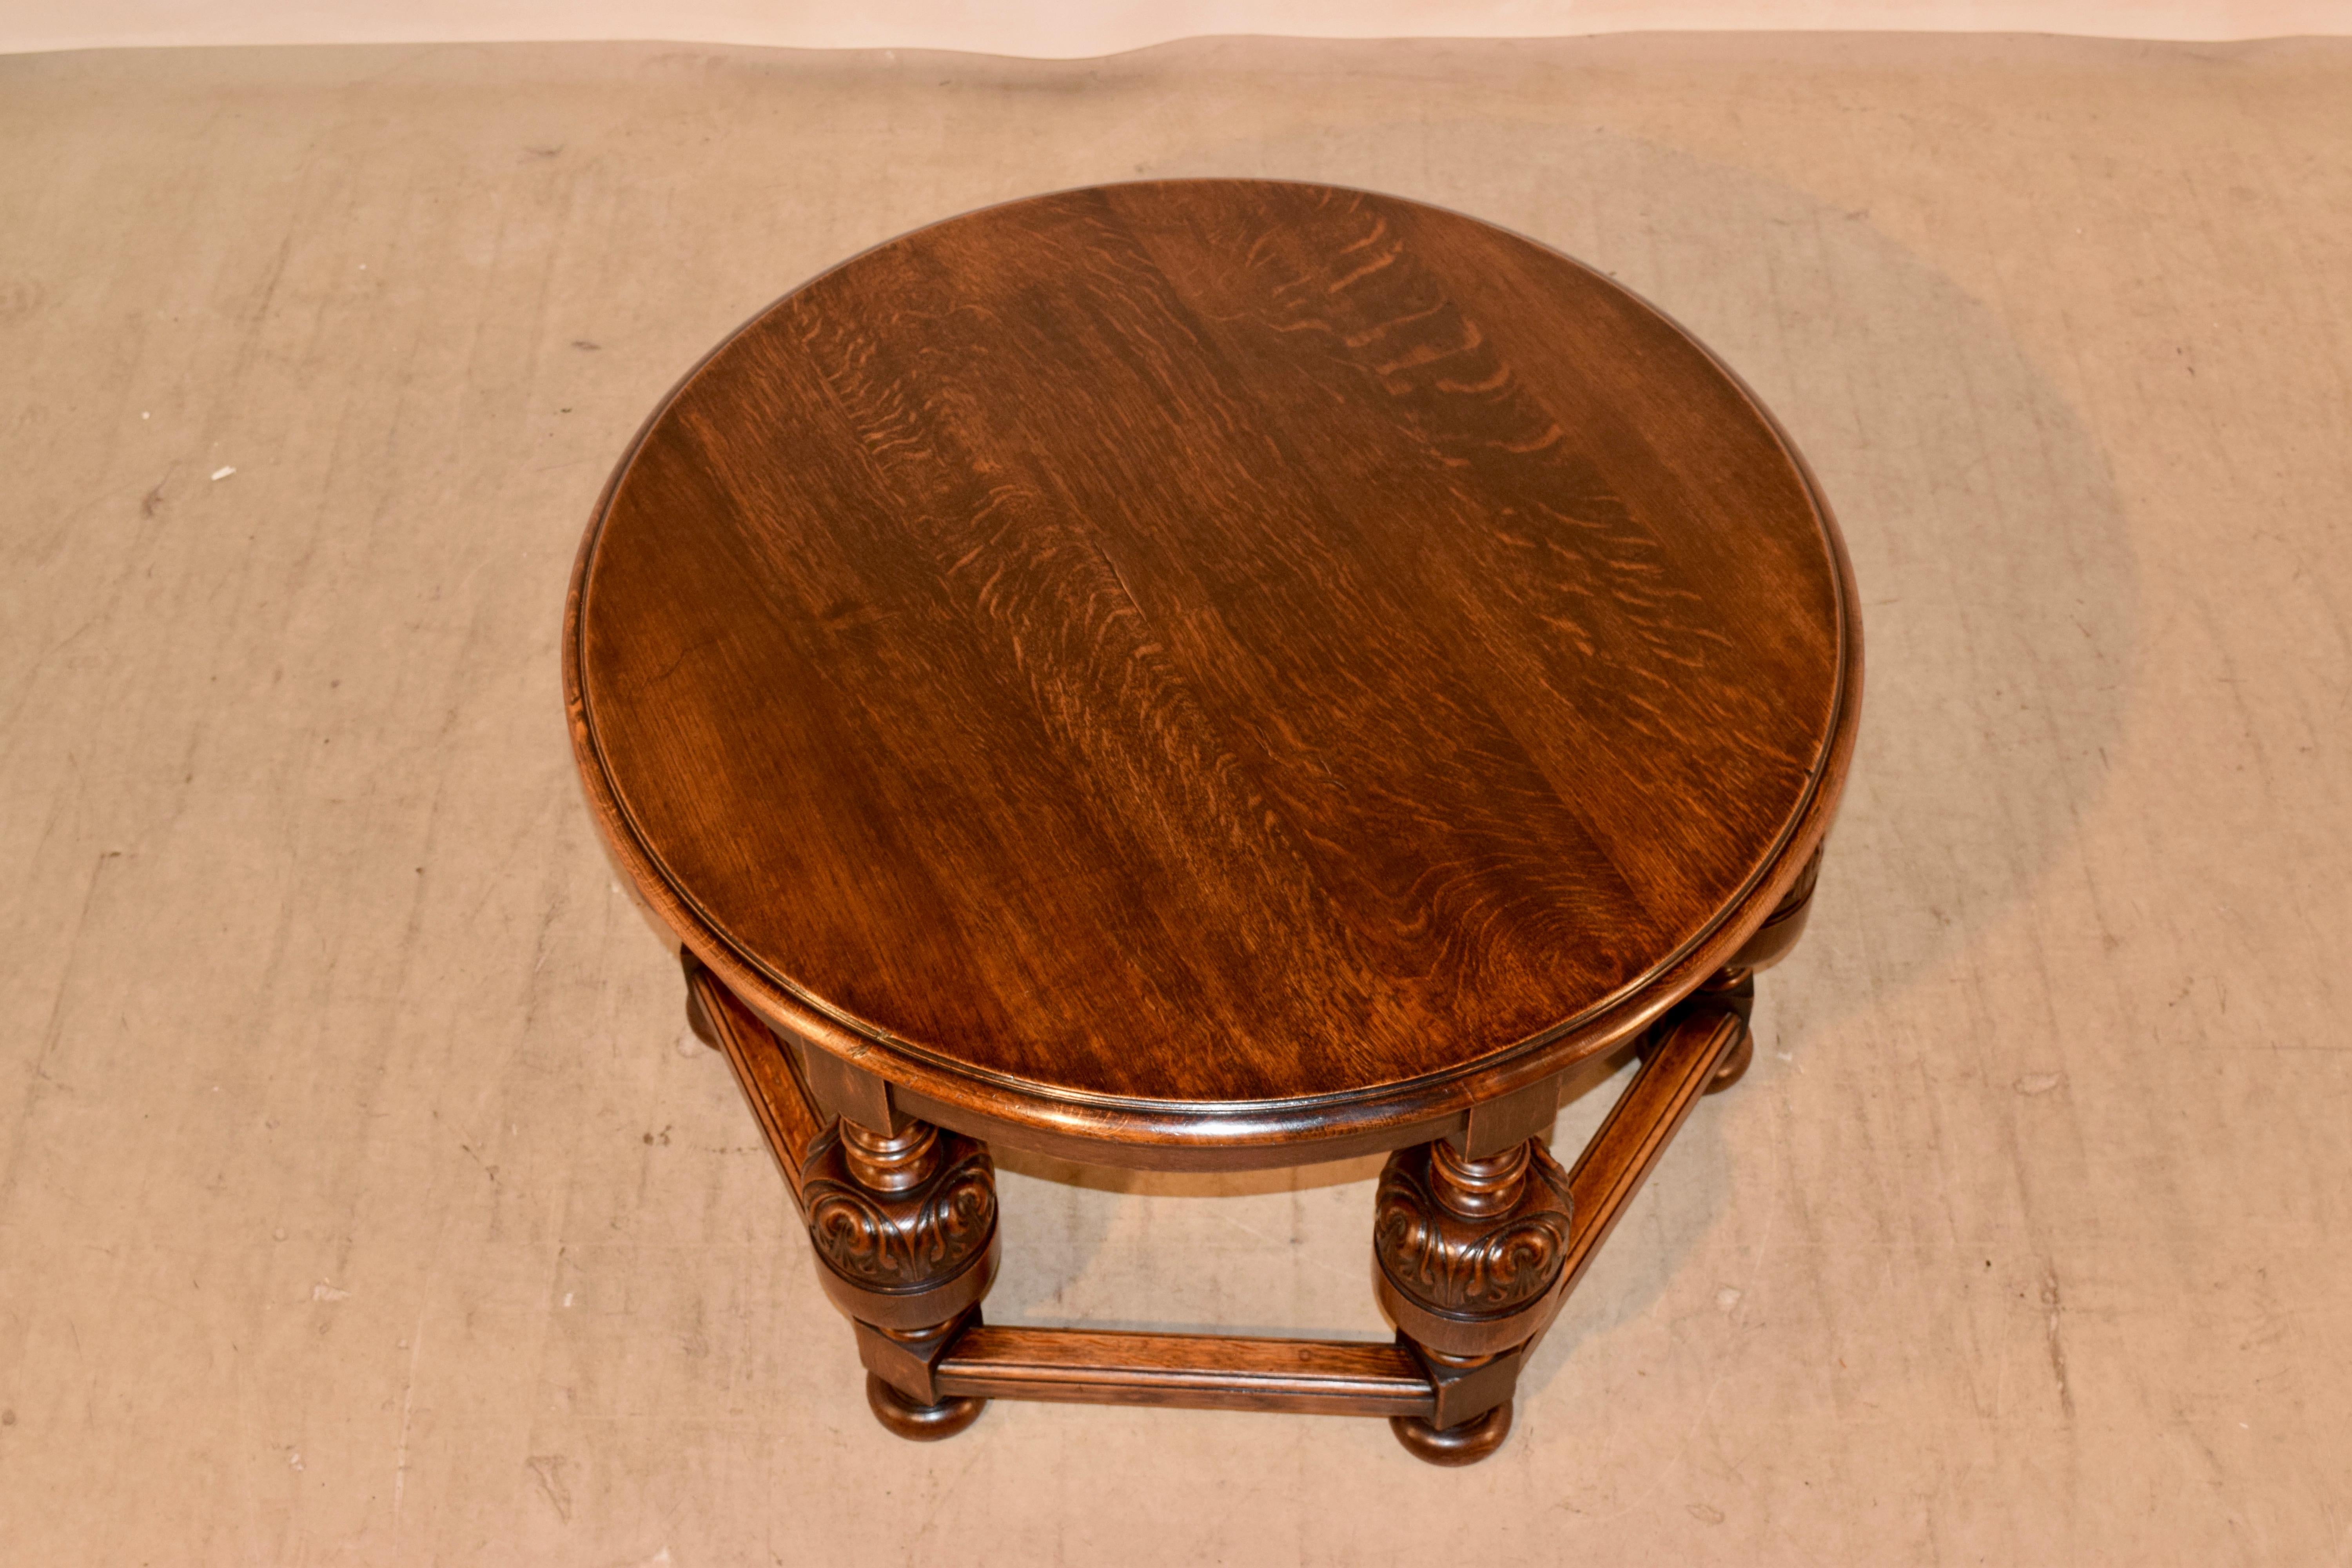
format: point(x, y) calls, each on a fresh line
point(1464, 1265)
point(900, 1241)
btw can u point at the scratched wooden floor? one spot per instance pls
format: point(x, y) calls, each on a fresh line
point(360, 1202)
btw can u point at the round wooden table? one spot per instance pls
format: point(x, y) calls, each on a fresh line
point(1207, 674)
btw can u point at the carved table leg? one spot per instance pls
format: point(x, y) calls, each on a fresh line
point(1475, 1251)
point(903, 1219)
point(1469, 1254)
point(905, 1226)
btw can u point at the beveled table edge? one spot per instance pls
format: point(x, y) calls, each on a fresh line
point(1177, 1135)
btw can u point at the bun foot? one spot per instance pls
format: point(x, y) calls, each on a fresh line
point(1734, 1064)
point(1465, 1444)
point(928, 1423)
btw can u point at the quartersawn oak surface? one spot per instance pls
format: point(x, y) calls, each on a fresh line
point(1209, 641)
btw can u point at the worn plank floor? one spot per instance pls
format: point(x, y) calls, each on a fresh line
point(359, 1202)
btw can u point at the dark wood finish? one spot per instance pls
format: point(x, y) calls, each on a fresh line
point(917, 1422)
point(904, 1222)
point(1778, 933)
point(1215, 672)
point(1498, 1125)
point(1468, 1251)
point(1465, 1387)
point(1487, 1243)
point(1202, 674)
point(1454, 1235)
point(1678, 1066)
point(849, 1091)
point(1468, 1258)
point(916, 1376)
point(908, 1359)
point(1735, 989)
point(907, 1236)
point(697, 1017)
point(768, 1074)
point(1464, 1444)
point(1200, 1372)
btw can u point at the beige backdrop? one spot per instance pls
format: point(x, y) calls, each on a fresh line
point(361, 1202)
point(1067, 29)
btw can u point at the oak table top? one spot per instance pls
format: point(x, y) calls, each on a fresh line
point(1211, 671)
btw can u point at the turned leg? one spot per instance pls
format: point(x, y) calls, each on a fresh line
point(904, 1224)
point(1475, 1255)
point(902, 1214)
point(1469, 1255)
point(1478, 1240)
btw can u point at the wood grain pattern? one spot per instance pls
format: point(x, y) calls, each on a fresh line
point(1677, 1070)
point(1215, 665)
point(1201, 1372)
point(1456, 1270)
point(765, 1071)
